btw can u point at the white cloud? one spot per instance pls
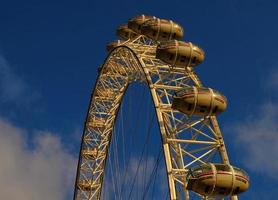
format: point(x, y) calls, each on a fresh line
point(45, 172)
point(258, 135)
point(272, 79)
point(13, 89)
point(125, 177)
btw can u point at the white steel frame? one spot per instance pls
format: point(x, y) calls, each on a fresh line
point(187, 140)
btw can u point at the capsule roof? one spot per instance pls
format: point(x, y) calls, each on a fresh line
point(179, 53)
point(125, 33)
point(173, 43)
point(135, 23)
point(219, 167)
point(162, 29)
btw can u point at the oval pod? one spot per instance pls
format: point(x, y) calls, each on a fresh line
point(217, 180)
point(161, 29)
point(135, 23)
point(179, 53)
point(199, 101)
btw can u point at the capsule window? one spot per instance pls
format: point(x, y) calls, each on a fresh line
point(236, 190)
point(223, 168)
point(171, 57)
point(207, 189)
point(203, 109)
point(194, 60)
point(189, 107)
point(215, 109)
point(183, 58)
point(164, 34)
point(222, 192)
point(174, 35)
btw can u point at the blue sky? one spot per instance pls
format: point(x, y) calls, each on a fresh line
point(50, 51)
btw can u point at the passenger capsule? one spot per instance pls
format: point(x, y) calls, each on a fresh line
point(217, 180)
point(161, 29)
point(136, 23)
point(181, 54)
point(199, 101)
point(125, 33)
point(110, 46)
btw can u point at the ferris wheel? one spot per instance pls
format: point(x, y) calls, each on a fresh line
point(196, 159)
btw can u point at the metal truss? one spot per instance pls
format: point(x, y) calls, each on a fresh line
point(187, 140)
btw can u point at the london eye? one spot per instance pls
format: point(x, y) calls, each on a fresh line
point(150, 52)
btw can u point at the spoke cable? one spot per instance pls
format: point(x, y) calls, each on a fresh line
point(141, 157)
point(132, 141)
point(153, 174)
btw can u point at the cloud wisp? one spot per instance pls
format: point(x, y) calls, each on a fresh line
point(13, 89)
point(44, 172)
point(258, 133)
point(272, 79)
point(143, 180)
point(259, 137)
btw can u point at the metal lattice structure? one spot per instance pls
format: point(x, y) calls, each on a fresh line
point(187, 140)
